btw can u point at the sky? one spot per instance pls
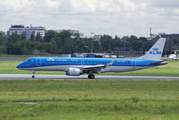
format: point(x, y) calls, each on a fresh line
point(111, 17)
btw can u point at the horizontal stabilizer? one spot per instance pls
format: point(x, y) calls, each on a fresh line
point(162, 62)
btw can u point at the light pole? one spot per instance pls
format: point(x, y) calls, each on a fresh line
point(91, 41)
point(76, 48)
point(10, 51)
point(165, 47)
point(86, 48)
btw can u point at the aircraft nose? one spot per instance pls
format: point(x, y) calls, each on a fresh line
point(19, 66)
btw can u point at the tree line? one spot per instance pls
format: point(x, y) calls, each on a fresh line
point(63, 43)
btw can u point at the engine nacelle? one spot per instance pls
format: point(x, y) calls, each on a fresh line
point(74, 72)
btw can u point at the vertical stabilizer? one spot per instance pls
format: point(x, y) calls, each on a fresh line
point(155, 51)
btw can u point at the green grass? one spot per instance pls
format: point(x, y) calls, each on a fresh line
point(171, 69)
point(94, 110)
point(90, 99)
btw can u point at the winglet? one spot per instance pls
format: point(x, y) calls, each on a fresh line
point(110, 63)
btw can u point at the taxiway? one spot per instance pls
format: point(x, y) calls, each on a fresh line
point(82, 77)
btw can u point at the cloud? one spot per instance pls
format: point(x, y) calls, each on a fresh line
point(165, 3)
point(121, 17)
point(32, 6)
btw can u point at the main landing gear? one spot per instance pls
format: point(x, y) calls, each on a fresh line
point(91, 76)
point(33, 76)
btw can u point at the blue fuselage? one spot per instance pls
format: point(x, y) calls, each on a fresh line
point(63, 64)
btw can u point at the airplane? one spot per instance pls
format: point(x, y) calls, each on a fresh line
point(173, 56)
point(79, 66)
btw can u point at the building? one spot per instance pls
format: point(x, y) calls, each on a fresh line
point(2, 33)
point(73, 32)
point(97, 37)
point(163, 35)
point(57, 31)
point(21, 29)
point(169, 36)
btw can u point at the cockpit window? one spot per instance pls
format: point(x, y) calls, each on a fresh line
point(27, 60)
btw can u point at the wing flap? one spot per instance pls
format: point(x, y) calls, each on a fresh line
point(97, 68)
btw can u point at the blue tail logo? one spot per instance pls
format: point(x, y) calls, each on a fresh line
point(155, 51)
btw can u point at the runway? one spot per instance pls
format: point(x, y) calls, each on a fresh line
point(82, 77)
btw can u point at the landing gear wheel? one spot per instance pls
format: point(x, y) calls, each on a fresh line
point(33, 76)
point(91, 76)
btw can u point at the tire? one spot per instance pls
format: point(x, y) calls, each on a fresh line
point(33, 76)
point(89, 76)
point(92, 76)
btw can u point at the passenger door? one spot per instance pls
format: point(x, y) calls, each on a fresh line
point(133, 63)
point(38, 62)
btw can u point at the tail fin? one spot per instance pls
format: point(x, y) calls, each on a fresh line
point(155, 51)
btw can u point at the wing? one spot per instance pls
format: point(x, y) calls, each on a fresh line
point(96, 68)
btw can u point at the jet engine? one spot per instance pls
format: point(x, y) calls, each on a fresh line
point(74, 72)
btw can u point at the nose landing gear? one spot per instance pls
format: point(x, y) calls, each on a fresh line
point(33, 76)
